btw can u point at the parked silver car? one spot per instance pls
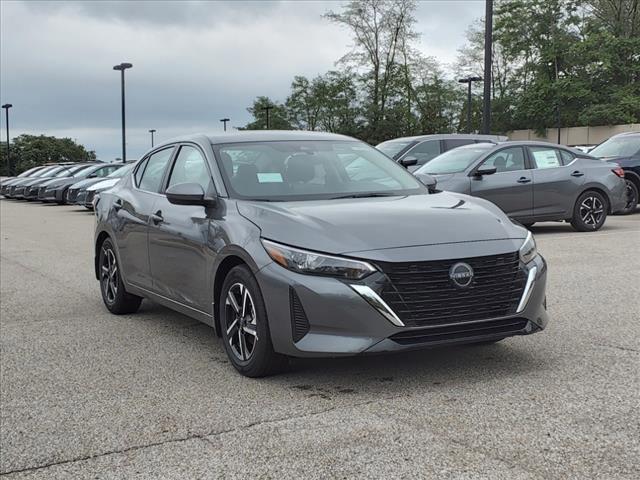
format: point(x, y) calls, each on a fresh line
point(413, 152)
point(534, 181)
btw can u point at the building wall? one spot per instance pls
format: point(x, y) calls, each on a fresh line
point(576, 135)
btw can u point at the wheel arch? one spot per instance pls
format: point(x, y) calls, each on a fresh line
point(634, 177)
point(100, 238)
point(600, 190)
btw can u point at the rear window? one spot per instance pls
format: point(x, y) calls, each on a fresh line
point(393, 148)
point(618, 147)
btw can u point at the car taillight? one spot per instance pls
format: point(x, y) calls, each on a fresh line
point(618, 171)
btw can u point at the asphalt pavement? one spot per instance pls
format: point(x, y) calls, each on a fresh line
point(86, 394)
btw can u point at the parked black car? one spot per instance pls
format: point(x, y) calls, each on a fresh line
point(32, 172)
point(17, 188)
point(413, 152)
point(31, 189)
point(57, 190)
point(624, 149)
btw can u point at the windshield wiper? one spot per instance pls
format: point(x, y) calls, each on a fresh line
point(365, 195)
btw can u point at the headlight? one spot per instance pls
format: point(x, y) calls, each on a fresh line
point(528, 249)
point(303, 261)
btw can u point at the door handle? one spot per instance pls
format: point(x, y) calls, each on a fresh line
point(524, 180)
point(577, 173)
point(156, 218)
point(117, 204)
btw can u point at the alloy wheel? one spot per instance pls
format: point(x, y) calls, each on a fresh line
point(109, 275)
point(240, 318)
point(591, 211)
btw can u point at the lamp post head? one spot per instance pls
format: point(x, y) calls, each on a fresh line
point(469, 79)
point(122, 66)
point(153, 130)
point(7, 106)
point(225, 119)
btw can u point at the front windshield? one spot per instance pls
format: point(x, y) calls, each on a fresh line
point(309, 170)
point(67, 170)
point(618, 147)
point(53, 172)
point(121, 172)
point(453, 161)
point(29, 172)
point(81, 171)
point(392, 148)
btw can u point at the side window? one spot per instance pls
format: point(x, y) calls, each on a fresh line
point(506, 160)
point(104, 171)
point(425, 151)
point(546, 157)
point(137, 176)
point(452, 143)
point(190, 167)
point(154, 170)
point(567, 157)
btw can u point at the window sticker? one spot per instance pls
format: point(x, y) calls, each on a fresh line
point(546, 158)
point(270, 178)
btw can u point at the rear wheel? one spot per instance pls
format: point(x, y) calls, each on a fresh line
point(115, 297)
point(632, 198)
point(589, 212)
point(244, 326)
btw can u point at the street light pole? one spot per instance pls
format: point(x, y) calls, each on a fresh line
point(267, 108)
point(152, 131)
point(122, 67)
point(488, 43)
point(469, 81)
point(224, 121)
point(6, 107)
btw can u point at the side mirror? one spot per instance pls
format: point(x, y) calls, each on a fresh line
point(188, 194)
point(93, 175)
point(408, 161)
point(485, 171)
point(428, 181)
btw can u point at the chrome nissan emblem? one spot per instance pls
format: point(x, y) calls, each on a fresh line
point(461, 274)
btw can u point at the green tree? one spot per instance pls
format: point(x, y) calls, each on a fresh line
point(28, 151)
point(277, 115)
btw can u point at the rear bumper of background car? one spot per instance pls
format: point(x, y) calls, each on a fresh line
point(313, 316)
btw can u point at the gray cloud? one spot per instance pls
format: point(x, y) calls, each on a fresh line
point(194, 63)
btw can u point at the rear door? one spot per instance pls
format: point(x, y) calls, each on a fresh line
point(511, 187)
point(134, 206)
point(178, 236)
point(557, 180)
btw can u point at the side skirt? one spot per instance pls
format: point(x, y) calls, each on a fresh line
point(172, 304)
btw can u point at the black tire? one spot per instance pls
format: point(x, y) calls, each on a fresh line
point(590, 211)
point(115, 297)
point(64, 198)
point(632, 198)
point(251, 354)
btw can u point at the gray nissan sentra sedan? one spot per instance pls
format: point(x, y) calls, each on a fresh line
point(311, 244)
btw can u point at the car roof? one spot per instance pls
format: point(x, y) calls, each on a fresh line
point(449, 136)
point(626, 134)
point(264, 136)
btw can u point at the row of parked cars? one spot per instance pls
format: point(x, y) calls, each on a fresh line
point(530, 181)
point(309, 244)
point(65, 183)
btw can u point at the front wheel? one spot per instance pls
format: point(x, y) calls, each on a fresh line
point(244, 326)
point(115, 297)
point(589, 212)
point(64, 198)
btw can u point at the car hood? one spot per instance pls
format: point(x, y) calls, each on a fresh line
point(622, 161)
point(358, 225)
point(104, 184)
point(87, 182)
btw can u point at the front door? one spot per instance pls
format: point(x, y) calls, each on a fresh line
point(178, 237)
point(511, 187)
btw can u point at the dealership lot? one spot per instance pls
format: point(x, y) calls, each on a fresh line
point(85, 394)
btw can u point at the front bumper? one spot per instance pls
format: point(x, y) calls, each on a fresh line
point(341, 322)
point(49, 195)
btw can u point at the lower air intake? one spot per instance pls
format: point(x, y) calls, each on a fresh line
point(299, 322)
point(495, 328)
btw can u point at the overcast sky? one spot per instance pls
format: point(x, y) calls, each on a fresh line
point(193, 63)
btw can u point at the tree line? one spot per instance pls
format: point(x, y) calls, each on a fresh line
point(572, 61)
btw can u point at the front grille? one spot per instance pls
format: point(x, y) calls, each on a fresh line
point(299, 321)
point(493, 328)
point(422, 294)
point(72, 195)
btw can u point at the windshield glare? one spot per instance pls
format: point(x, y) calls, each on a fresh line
point(392, 148)
point(453, 161)
point(308, 170)
point(617, 147)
